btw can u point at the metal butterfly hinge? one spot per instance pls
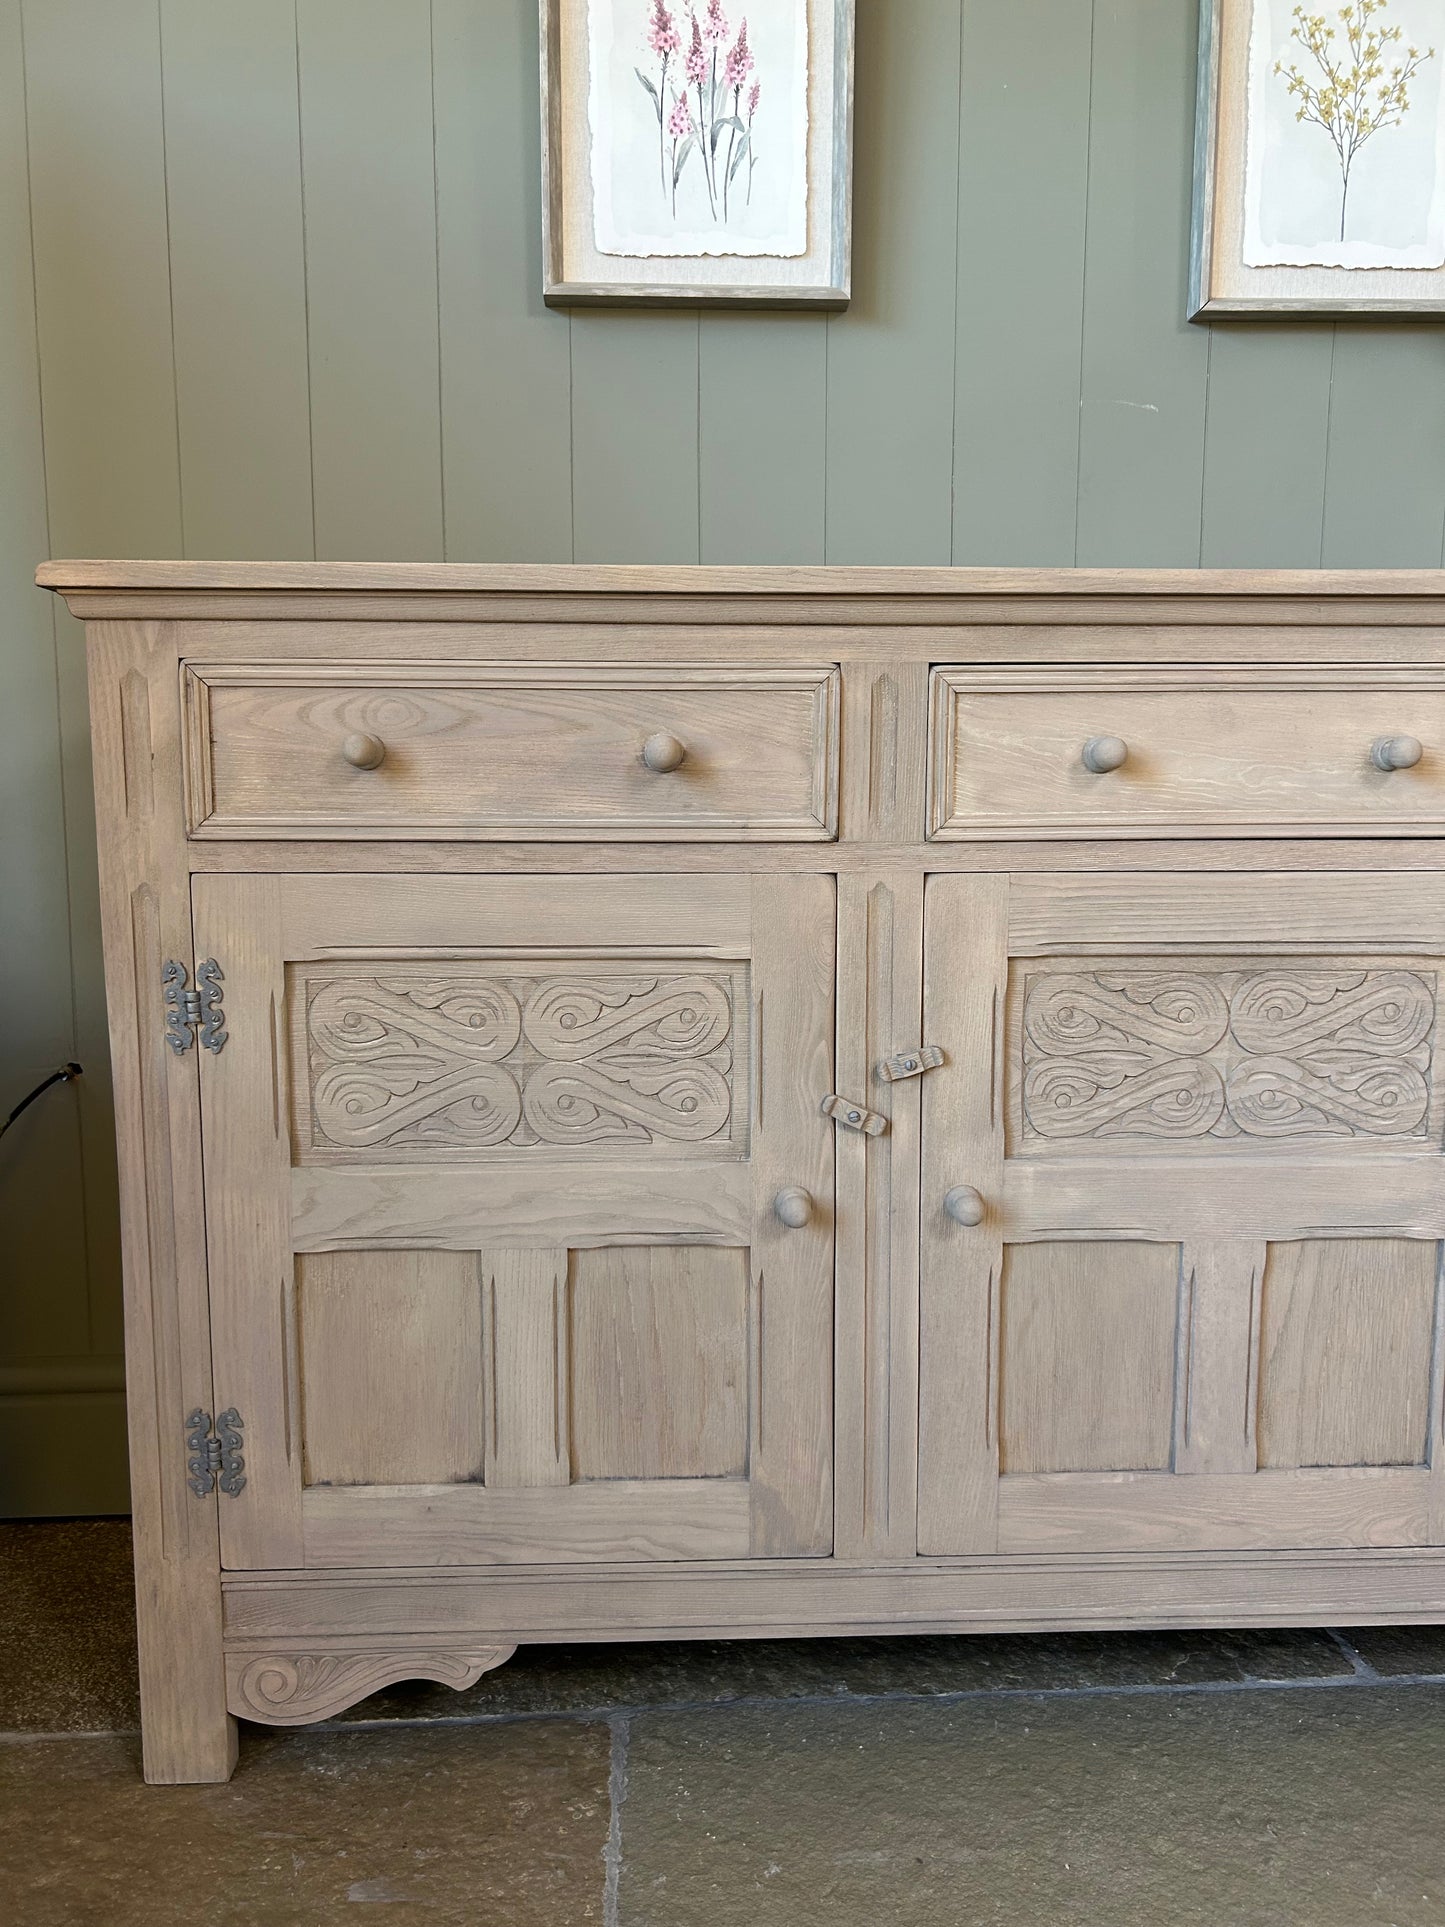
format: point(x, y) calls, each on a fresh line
point(194, 1013)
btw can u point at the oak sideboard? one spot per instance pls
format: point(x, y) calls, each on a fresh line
point(678, 1103)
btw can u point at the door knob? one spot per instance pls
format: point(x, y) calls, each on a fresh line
point(1396, 752)
point(364, 752)
point(664, 753)
point(964, 1205)
point(794, 1207)
point(1105, 753)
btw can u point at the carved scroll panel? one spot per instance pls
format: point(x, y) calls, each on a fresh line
point(1190, 1055)
point(461, 1059)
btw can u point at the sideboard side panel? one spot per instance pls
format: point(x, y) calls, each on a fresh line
point(145, 907)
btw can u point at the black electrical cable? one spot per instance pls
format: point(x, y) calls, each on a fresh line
point(62, 1076)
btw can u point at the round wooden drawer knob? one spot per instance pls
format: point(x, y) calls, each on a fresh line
point(364, 752)
point(1105, 753)
point(1396, 752)
point(964, 1205)
point(664, 753)
point(794, 1208)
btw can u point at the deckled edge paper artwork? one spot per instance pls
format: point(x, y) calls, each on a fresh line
point(1345, 157)
point(699, 127)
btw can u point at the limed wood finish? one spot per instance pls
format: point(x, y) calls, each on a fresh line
point(509, 1217)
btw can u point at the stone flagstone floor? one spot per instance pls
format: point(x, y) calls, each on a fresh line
point(1246, 1779)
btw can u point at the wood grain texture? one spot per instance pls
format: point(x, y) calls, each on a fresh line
point(1346, 1335)
point(1086, 1357)
point(465, 1525)
point(146, 914)
point(965, 985)
point(1155, 1511)
point(294, 1688)
point(790, 1455)
point(659, 1347)
point(1274, 750)
point(550, 752)
point(529, 1367)
point(390, 1367)
point(247, 1222)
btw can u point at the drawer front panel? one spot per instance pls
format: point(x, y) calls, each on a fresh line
point(1234, 752)
point(342, 750)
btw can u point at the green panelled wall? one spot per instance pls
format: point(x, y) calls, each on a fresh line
point(269, 276)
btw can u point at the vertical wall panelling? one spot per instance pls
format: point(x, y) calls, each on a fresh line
point(1385, 479)
point(762, 433)
point(891, 356)
point(371, 271)
point(1141, 448)
point(1023, 182)
point(1264, 452)
point(102, 303)
point(238, 276)
point(506, 375)
point(634, 437)
point(40, 1165)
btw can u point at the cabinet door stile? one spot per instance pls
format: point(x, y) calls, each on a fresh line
point(246, 1140)
point(965, 980)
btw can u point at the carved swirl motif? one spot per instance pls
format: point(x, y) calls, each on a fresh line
point(1228, 1053)
point(291, 1689)
point(463, 1063)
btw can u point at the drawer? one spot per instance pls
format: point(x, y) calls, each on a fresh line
point(543, 751)
point(1210, 752)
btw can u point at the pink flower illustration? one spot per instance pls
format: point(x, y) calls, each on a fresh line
point(740, 60)
point(754, 97)
point(696, 62)
point(662, 34)
point(679, 121)
point(715, 27)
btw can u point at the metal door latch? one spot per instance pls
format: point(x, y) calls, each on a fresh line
point(910, 1063)
point(855, 1116)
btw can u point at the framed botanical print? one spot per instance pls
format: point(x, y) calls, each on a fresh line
point(697, 151)
point(1320, 159)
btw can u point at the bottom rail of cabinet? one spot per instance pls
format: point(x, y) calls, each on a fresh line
point(303, 1645)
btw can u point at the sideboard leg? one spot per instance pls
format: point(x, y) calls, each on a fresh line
point(187, 1735)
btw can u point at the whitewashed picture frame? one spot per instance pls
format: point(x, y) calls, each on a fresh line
point(697, 152)
point(1320, 159)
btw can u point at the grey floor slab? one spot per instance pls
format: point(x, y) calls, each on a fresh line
point(1400, 1649)
point(1231, 1809)
point(435, 1827)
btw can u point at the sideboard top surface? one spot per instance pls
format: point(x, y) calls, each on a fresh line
point(641, 592)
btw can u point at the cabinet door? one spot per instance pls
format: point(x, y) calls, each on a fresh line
point(1199, 1120)
point(496, 1271)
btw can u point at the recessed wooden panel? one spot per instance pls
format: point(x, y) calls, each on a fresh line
point(1086, 1374)
point(1345, 1352)
point(659, 1347)
point(391, 1367)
